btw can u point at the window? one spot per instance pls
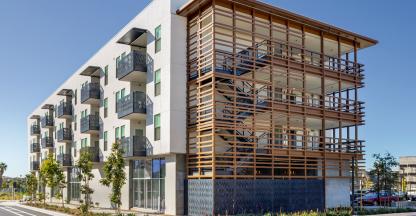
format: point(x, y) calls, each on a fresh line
point(157, 83)
point(105, 107)
point(119, 95)
point(84, 113)
point(106, 75)
point(119, 58)
point(158, 39)
point(122, 129)
point(149, 183)
point(157, 127)
point(117, 133)
point(76, 96)
point(84, 142)
point(105, 140)
point(75, 122)
point(74, 184)
point(75, 148)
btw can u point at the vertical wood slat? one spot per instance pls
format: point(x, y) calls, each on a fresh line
point(294, 159)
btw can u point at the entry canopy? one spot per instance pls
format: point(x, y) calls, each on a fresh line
point(92, 71)
point(134, 37)
point(65, 92)
point(35, 117)
point(47, 106)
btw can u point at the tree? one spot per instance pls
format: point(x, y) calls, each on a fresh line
point(382, 173)
point(84, 165)
point(3, 168)
point(42, 183)
point(31, 185)
point(114, 175)
point(54, 176)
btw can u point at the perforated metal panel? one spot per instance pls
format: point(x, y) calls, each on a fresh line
point(200, 197)
point(226, 196)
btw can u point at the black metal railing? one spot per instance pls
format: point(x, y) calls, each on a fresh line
point(35, 129)
point(93, 151)
point(90, 91)
point(34, 165)
point(133, 146)
point(90, 123)
point(46, 121)
point(132, 103)
point(47, 142)
point(64, 159)
point(64, 109)
point(134, 61)
point(35, 148)
point(64, 134)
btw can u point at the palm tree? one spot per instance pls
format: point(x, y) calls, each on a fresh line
point(3, 168)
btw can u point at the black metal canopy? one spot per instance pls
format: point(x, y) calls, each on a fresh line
point(65, 92)
point(92, 71)
point(35, 117)
point(134, 37)
point(47, 106)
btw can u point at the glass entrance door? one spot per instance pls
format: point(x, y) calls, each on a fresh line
point(148, 187)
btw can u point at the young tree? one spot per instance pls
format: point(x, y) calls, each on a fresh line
point(114, 174)
point(31, 185)
point(84, 165)
point(382, 173)
point(54, 176)
point(3, 168)
point(42, 183)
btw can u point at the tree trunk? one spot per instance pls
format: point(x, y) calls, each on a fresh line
point(62, 198)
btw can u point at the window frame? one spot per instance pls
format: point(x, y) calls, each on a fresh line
point(158, 82)
point(157, 127)
point(158, 38)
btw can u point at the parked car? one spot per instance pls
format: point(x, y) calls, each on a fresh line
point(372, 198)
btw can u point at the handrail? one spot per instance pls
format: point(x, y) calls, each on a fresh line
point(299, 54)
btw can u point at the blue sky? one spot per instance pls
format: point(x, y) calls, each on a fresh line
point(43, 42)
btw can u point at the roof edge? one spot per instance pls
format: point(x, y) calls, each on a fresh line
point(186, 9)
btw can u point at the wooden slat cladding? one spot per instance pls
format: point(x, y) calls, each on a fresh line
point(268, 98)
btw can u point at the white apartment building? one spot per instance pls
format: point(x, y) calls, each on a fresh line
point(143, 67)
point(221, 107)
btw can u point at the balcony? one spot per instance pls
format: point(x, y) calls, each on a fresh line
point(64, 159)
point(64, 135)
point(47, 121)
point(34, 165)
point(93, 151)
point(132, 67)
point(47, 142)
point(133, 146)
point(90, 124)
point(64, 110)
point(90, 93)
point(35, 148)
point(132, 107)
point(34, 129)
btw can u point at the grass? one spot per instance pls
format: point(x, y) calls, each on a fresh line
point(345, 212)
point(384, 211)
point(70, 211)
point(8, 196)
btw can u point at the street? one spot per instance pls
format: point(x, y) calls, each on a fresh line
point(13, 209)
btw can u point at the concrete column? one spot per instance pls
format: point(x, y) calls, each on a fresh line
point(174, 184)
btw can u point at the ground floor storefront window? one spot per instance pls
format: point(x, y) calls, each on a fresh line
point(74, 184)
point(149, 184)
